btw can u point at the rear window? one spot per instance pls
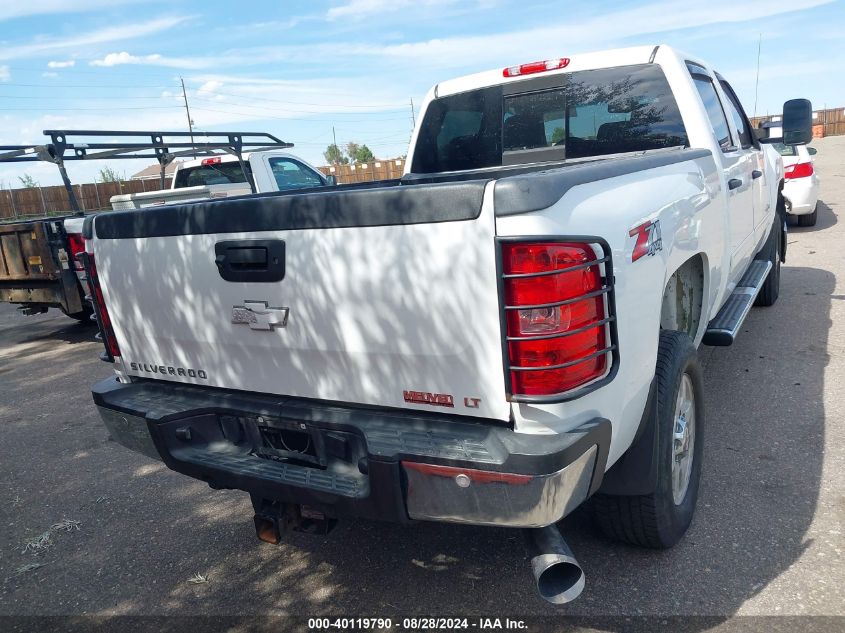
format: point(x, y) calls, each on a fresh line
point(218, 174)
point(574, 115)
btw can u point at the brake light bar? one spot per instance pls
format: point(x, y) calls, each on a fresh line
point(100, 310)
point(536, 67)
point(215, 160)
point(799, 170)
point(557, 316)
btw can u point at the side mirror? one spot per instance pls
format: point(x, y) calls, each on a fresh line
point(797, 122)
point(812, 151)
point(331, 181)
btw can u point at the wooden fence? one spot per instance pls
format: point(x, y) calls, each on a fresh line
point(366, 172)
point(95, 196)
point(40, 201)
point(831, 120)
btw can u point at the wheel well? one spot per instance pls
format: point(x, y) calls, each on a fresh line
point(683, 298)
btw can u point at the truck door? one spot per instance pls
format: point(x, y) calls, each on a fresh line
point(763, 210)
point(737, 176)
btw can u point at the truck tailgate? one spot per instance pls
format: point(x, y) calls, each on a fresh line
point(388, 296)
point(26, 253)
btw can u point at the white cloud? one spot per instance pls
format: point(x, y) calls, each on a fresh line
point(100, 36)
point(210, 86)
point(5, 75)
point(359, 9)
point(70, 63)
point(11, 9)
point(585, 34)
point(123, 58)
point(49, 75)
point(119, 59)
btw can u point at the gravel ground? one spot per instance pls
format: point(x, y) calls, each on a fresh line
point(767, 538)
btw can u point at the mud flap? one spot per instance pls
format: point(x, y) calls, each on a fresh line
point(635, 473)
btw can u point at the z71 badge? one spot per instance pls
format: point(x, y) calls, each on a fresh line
point(648, 239)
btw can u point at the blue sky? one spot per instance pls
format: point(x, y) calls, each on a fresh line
point(296, 69)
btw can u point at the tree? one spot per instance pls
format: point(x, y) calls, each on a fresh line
point(107, 174)
point(334, 155)
point(363, 154)
point(28, 181)
point(352, 149)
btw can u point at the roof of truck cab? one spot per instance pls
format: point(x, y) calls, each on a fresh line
point(577, 61)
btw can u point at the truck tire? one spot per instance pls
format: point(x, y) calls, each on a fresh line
point(658, 520)
point(83, 317)
point(771, 287)
point(810, 218)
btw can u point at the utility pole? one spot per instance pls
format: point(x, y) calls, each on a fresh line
point(757, 80)
point(413, 116)
point(188, 112)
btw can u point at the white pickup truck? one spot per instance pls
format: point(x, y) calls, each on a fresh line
point(218, 177)
point(505, 332)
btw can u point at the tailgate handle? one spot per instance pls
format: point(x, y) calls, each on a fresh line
point(250, 260)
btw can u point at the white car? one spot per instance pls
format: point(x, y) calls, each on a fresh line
point(801, 183)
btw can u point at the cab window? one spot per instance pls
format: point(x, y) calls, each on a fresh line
point(291, 174)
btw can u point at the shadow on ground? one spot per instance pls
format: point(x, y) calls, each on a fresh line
point(145, 531)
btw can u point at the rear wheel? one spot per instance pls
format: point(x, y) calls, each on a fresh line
point(83, 317)
point(810, 218)
point(771, 287)
point(659, 520)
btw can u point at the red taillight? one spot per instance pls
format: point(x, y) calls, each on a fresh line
point(76, 243)
point(556, 316)
point(799, 170)
point(536, 67)
point(216, 160)
point(103, 319)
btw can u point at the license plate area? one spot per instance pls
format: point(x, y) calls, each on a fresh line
point(284, 440)
point(304, 444)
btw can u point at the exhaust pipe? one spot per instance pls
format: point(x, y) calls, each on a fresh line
point(558, 575)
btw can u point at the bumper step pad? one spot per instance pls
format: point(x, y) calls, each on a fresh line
point(275, 472)
point(723, 329)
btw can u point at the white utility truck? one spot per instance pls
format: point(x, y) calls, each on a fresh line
point(505, 332)
point(226, 176)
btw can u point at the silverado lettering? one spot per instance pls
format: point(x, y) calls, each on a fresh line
point(168, 370)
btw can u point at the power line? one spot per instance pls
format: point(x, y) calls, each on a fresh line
point(275, 109)
point(393, 106)
point(284, 118)
point(100, 85)
point(108, 109)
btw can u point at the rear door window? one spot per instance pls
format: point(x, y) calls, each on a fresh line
point(715, 113)
point(737, 114)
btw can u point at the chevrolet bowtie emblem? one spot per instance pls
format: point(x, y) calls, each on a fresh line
point(259, 316)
